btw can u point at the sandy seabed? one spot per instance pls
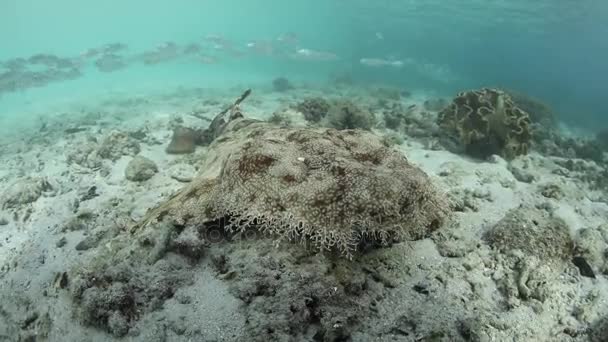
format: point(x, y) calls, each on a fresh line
point(69, 186)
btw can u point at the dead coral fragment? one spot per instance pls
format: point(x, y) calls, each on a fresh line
point(118, 144)
point(487, 122)
point(23, 191)
point(332, 188)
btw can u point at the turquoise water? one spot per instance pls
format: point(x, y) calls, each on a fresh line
point(553, 50)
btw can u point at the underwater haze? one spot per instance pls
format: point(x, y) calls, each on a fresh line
point(303, 170)
point(552, 50)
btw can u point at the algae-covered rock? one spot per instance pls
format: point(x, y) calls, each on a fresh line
point(344, 114)
point(532, 248)
point(325, 302)
point(314, 108)
point(486, 122)
point(533, 232)
point(140, 169)
point(114, 293)
point(118, 144)
point(24, 191)
point(592, 244)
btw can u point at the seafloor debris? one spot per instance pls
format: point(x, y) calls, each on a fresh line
point(326, 300)
point(114, 293)
point(486, 122)
point(24, 191)
point(89, 153)
point(118, 144)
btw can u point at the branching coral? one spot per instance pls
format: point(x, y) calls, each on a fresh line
point(334, 189)
point(487, 122)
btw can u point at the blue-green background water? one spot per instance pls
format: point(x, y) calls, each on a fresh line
point(553, 50)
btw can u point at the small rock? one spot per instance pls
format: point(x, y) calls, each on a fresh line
point(522, 175)
point(583, 266)
point(90, 241)
point(118, 324)
point(74, 224)
point(90, 194)
point(178, 326)
point(3, 221)
point(61, 242)
point(140, 169)
point(118, 144)
point(24, 191)
point(182, 172)
point(551, 191)
point(29, 319)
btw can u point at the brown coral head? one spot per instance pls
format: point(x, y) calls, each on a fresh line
point(486, 121)
point(183, 141)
